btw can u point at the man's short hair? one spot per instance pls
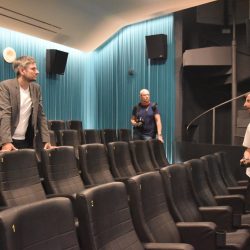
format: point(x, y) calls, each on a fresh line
point(23, 62)
point(143, 90)
point(247, 94)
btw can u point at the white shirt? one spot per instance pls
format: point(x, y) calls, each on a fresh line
point(25, 112)
point(246, 143)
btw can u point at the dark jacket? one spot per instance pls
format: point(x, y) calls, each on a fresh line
point(10, 109)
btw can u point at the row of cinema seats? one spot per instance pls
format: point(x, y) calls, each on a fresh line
point(70, 137)
point(98, 164)
point(61, 133)
point(62, 173)
point(154, 210)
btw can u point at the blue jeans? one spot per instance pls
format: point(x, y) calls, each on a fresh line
point(137, 135)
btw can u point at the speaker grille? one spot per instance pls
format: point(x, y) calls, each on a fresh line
point(157, 46)
point(56, 61)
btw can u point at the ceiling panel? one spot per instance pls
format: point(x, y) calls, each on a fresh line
point(83, 24)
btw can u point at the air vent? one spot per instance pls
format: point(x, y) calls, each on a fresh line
point(28, 20)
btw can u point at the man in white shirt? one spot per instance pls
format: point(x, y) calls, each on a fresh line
point(21, 111)
point(246, 143)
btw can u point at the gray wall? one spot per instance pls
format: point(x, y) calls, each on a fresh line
point(201, 88)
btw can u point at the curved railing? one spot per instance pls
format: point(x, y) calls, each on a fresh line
point(213, 109)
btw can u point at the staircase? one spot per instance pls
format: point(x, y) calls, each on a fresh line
point(243, 119)
point(212, 67)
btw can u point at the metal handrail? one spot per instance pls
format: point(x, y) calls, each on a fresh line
point(213, 109)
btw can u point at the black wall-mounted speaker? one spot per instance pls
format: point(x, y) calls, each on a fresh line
point(157, 46)
point(56, 61)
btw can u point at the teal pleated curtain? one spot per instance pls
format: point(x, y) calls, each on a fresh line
point(62, 94)
point(118, 91)
point(96, 87)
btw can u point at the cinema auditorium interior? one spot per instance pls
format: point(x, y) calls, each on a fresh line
point(96, 186)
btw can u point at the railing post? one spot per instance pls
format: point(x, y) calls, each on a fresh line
point(213, 131)
point(234, 79)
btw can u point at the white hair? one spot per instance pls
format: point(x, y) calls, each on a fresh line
point(144, 90)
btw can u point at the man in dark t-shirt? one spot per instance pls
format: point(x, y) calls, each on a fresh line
point(146, 119)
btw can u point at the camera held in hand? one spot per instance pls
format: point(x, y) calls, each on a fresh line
point(140, 122)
